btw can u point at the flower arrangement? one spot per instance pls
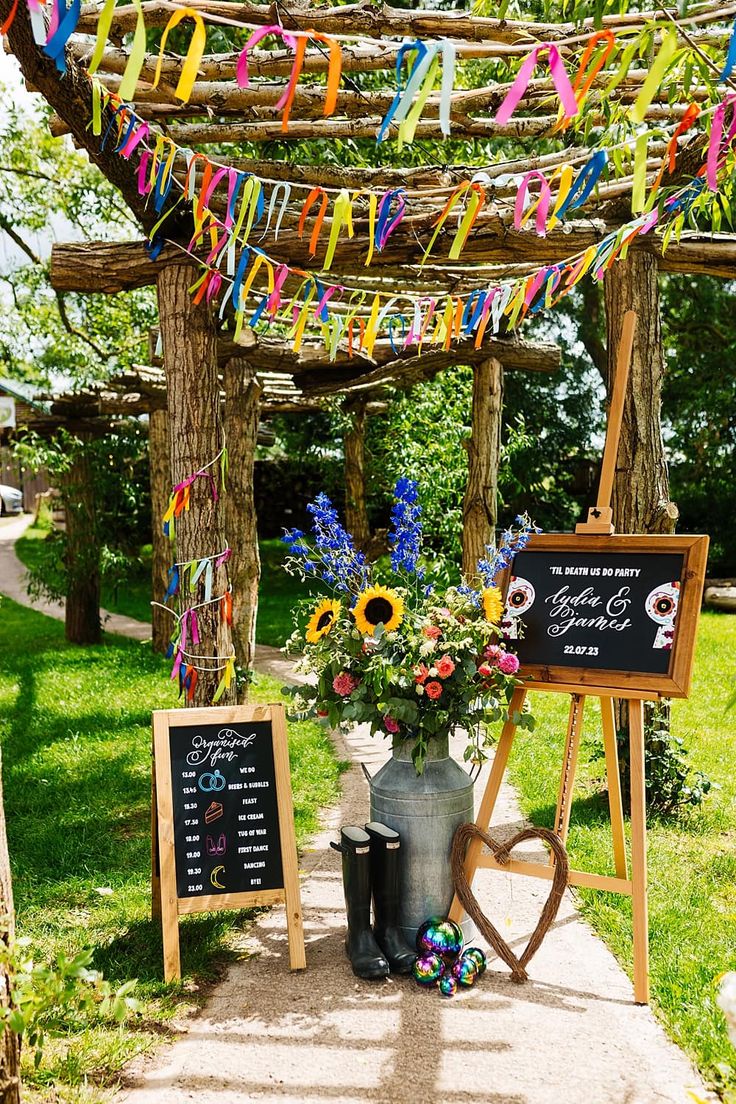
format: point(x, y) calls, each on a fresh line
point(411, 662)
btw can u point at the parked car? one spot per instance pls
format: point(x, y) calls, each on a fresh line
point(11, 500)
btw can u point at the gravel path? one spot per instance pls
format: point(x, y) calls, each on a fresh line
point(571, 1035)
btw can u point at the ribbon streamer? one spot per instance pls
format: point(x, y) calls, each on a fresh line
point(194, 54)
point(518, 88)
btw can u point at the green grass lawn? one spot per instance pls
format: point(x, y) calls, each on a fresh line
point(75, 732)
point(692, 860)
point(279, 591)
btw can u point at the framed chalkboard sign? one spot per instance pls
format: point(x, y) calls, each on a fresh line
point(606, 614)
point(224, 823)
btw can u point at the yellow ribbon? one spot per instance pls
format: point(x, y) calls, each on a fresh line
point(342, 215)
point(655, 76)
point(639, 184)
point(189, 70)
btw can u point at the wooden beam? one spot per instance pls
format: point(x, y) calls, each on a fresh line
point(368, 18)
point(111, 267)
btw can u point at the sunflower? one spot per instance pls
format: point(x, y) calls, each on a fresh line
point(322, 620)
point(492, 604)
point(378, 605)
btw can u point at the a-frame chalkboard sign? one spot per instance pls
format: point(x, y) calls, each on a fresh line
point(223, 820)
point(591, 614)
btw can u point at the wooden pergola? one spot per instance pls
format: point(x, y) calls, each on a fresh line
point(200, 362)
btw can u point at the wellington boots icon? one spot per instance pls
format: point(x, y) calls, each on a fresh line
point(364, 953)
point(385, 871)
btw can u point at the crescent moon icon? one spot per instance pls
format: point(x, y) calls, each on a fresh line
point(213, 878)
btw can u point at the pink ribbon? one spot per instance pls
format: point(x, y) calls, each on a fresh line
point(274, 299)
point(134, 139)
point(144, 185)
point(718, 145)
point(559, 77)
point(255, 38)
point(545, 197)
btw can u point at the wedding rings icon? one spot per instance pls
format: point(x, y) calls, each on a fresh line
point(211, 782)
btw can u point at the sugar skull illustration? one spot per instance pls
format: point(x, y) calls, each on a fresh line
point(519, 601)
point(661, 606)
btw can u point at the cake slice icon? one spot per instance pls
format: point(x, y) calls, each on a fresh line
point(214, 812)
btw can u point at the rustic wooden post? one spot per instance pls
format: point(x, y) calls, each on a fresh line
point(195, 438)
point(242, 409)
point(641, 499)
point(160, 479)
point(9, 1041)
point(480, 504)
point(82, 610)
point(356, 511)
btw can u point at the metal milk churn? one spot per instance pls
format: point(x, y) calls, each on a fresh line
point(426, 811)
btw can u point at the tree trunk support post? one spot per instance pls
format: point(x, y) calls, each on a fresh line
point(356, 510)
point(160, 480)
point(195, 440)
point(480, 504)
point(242, 409)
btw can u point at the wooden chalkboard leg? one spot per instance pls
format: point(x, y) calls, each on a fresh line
point(613, 774)
point(155, 868)
point(639, 854)
point(167, 861)
point(289, 859)
point(569, 766)
point(490, 795)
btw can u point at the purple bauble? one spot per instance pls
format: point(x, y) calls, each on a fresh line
point(440, 937)
point(428, 969)
point(465, 970)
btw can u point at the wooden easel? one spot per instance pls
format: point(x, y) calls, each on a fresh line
point(599, 522)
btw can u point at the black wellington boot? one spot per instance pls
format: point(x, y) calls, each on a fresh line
point(362, 950)
point(385, 845)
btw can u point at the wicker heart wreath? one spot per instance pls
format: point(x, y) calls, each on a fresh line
point(501, 853)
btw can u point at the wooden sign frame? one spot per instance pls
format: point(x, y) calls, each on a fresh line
point(628, 684)
point(166, 903)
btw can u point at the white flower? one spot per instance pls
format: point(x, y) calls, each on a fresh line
point(427, 647)
point(727, 1003)
point(433, 672)
point(420, 689)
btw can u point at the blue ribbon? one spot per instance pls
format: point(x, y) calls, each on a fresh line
point(730, 57)
point(584, 182)
point(68, 19)
point(404, 50)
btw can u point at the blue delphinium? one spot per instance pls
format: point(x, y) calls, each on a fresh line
point(334, 558)
point(512, 542)
point(405, 537)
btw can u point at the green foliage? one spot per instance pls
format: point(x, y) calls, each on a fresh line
point(118, 468)
point(673, 784)
point(52, 1000)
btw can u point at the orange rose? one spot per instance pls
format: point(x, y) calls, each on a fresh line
point(434, 690)
point(445, 666)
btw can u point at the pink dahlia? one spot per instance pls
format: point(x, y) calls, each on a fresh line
point(390, 724)
point(493, 652)
point(508, 664)
point(344, 684)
